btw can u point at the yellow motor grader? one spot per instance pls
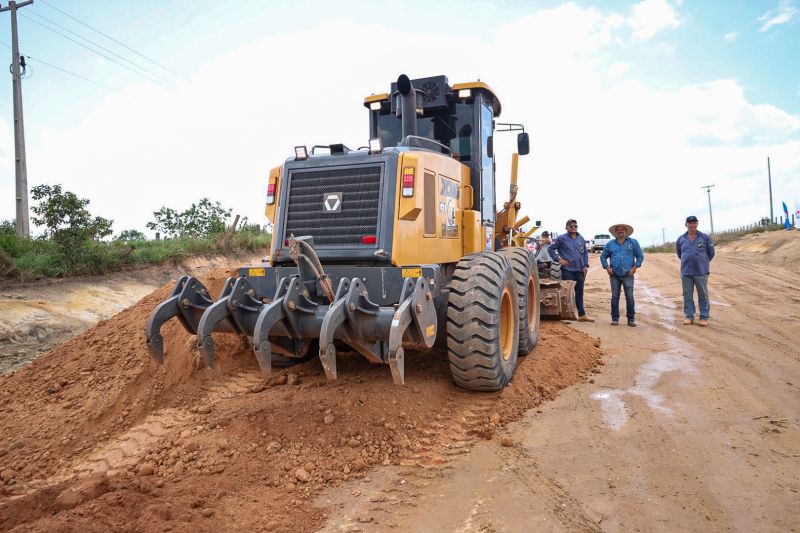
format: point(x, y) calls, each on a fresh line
point(394, 246)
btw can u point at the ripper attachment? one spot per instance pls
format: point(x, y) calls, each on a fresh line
point(303, 309)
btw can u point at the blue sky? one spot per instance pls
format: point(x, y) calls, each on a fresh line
point(631, 105)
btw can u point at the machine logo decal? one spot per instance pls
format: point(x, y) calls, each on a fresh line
point(448, 191)
point(332, 202)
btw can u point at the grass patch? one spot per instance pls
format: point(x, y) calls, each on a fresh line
point(30, 259)
point(665, 248)
point(719, 238)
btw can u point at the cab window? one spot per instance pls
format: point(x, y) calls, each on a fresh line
point(452, 127)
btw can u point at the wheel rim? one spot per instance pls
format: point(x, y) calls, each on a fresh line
point(507, 324)
point(533, 302)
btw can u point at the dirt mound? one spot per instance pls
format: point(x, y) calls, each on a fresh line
point(95, 436)
point(777, 248)
point(37, 316)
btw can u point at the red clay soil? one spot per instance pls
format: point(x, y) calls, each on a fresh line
point(94, 436)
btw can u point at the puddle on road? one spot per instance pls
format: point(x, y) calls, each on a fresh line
point(721, 304)
point(677, 358)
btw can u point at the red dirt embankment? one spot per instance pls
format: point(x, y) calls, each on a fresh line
point(94, 436)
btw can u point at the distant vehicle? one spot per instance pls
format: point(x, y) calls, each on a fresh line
point(599, 242)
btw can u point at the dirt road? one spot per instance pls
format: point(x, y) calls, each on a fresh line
point(685, 429)
point(678, 428)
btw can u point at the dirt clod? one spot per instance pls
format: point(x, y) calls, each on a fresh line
point(87, 489)
point(301, 475)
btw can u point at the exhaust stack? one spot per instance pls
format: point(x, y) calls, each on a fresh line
point(407, 107)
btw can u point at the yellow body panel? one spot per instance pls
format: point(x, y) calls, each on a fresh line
point(428, 226)
point(474, 234)
point(375, 98)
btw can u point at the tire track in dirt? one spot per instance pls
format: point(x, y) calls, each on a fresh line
point(126, 451)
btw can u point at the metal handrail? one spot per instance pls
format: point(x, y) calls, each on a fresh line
point(408, 138)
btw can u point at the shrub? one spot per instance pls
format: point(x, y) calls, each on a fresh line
point(130, 235)
point(202, 219)
point(8, 227)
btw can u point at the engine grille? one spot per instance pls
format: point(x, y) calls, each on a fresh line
point(359, 188)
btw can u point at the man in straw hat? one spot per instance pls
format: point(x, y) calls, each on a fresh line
point(621, 258)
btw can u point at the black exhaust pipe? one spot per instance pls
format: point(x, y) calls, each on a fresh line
point(407, 108)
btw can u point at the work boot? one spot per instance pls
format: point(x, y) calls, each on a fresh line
point(585, 318)
point(632, 323)
point(615, 322)
point(687, 321)
point(702, 322)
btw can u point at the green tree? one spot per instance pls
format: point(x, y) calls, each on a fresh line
point(130, 235)
point(202, 219)
point(8, 227)
point(65, 218)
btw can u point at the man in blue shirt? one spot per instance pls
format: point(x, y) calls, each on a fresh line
point(695, 250)
point(572, 254)
point(625, 257)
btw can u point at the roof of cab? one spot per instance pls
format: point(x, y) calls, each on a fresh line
point(475, 85)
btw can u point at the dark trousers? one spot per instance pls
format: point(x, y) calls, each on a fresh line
point(626, 283)
point(579, 279)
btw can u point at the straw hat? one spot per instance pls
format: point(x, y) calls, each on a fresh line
point(628, 229)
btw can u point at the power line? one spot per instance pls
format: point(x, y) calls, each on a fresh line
point(65, 71)
point(79, 21)
point(148, 71)
point(123, 65)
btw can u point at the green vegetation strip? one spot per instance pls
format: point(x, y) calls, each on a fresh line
point(30, 259)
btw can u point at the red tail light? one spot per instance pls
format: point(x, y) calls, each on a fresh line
point(271, 193)
point(408, 182)
point(368, 239)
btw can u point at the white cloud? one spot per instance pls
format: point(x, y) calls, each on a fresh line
point(652, 16)
point(731, 36)
point(783, 13)
point(618, 70)
point(603, 147)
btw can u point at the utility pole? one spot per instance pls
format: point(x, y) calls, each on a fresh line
point(21, 166)
point(769, 176)
point(708, 190)
point(663, 236)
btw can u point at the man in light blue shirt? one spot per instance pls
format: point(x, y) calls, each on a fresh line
point(695, 250)
point(621, 258)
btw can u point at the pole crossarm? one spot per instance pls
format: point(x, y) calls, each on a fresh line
point(710, 215)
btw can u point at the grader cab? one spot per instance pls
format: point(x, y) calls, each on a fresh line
point(390, 247)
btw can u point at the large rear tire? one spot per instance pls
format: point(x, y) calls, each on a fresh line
point(482, 322)
point(526, 277)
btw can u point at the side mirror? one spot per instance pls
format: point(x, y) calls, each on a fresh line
point(523, 144)
point(490, 146)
